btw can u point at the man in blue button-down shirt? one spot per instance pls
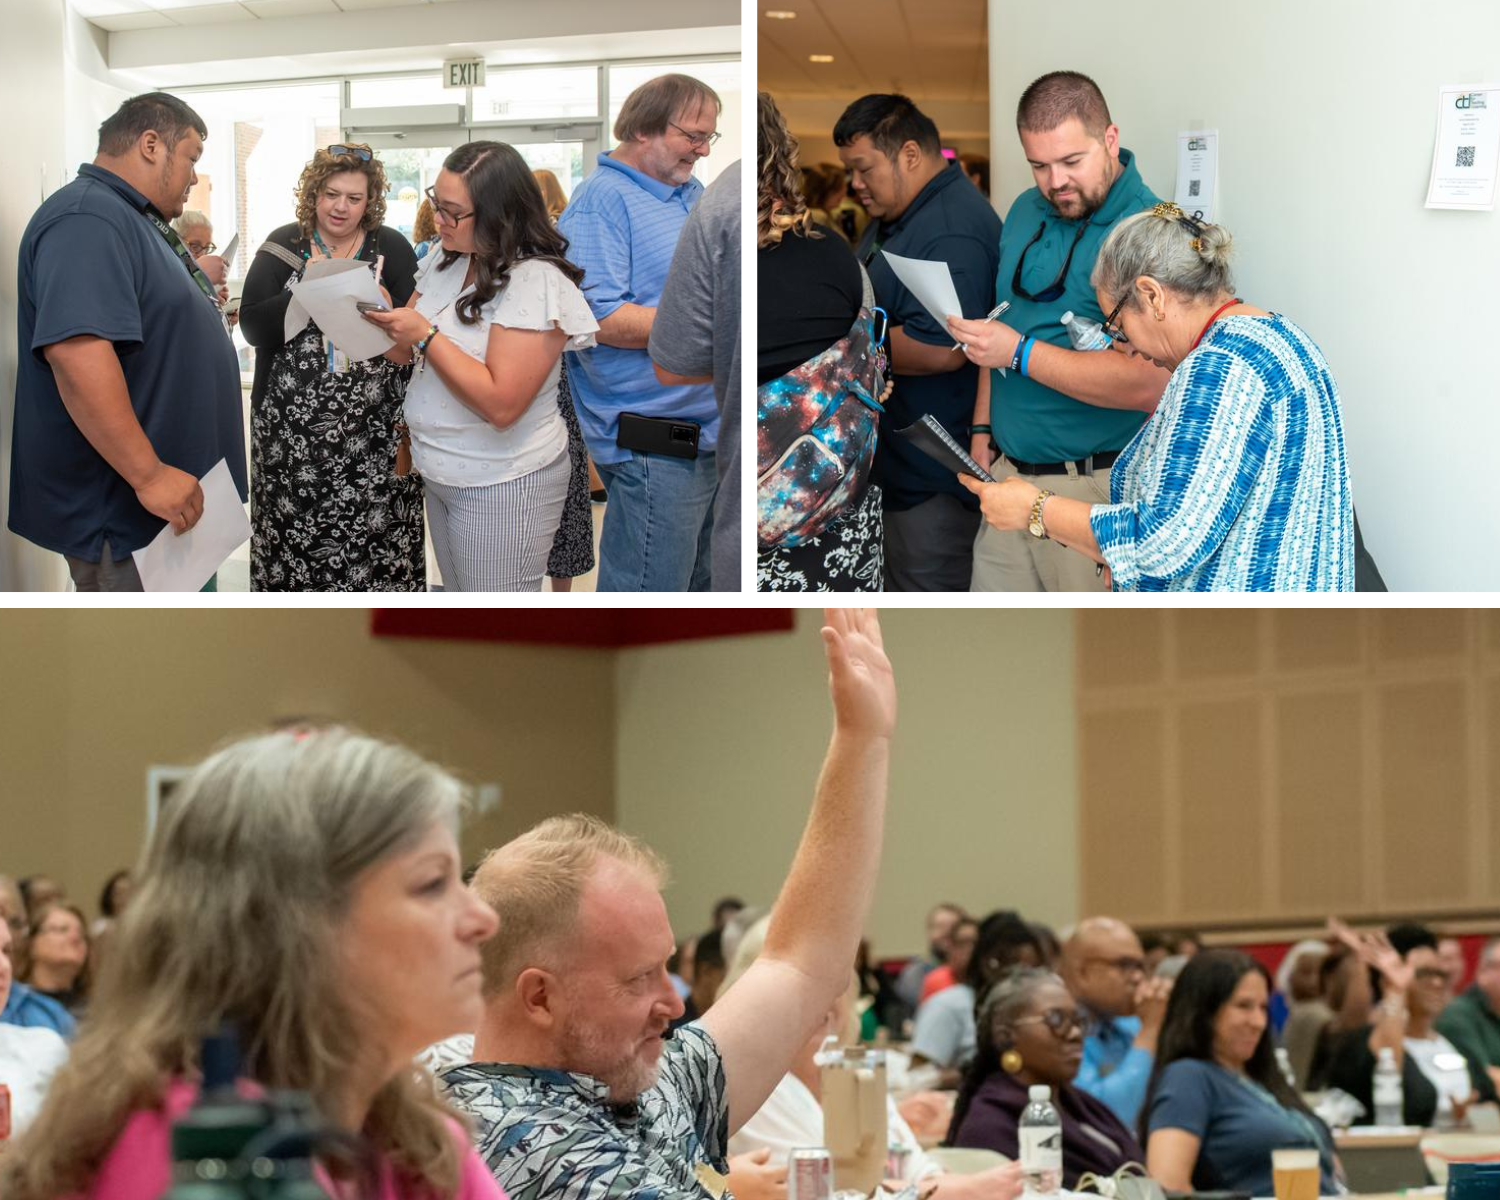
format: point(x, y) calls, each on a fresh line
point(622, 226)
point(1105, 969)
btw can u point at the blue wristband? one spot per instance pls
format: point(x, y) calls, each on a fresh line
point(1026, 358)
point(1015, 359)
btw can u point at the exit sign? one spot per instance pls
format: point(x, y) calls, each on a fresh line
point(463, 72)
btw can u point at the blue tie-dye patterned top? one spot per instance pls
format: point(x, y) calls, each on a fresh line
point(553, 1134)
point(1238, 482)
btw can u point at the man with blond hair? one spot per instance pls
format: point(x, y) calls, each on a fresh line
point(576, 1090)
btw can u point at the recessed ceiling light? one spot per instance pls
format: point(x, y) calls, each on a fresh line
point(820, 58)
point(779, 14)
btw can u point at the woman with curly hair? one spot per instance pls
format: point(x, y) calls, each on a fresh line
point(334, 505)
point(811, 294)
point(487, 326)
point(303, 888)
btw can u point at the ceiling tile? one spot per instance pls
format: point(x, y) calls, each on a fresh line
point(89, 9)
point(289, 8)
point(355, 5)
point(132, 20)
point(210, 14)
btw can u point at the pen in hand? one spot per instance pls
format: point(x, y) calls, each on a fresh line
point(997, 311)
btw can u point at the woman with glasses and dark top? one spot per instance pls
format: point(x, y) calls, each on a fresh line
point(1030, 1032)
point(334, 505)
point(810, 294)
point(487, 326)
point(1438, 1082)
point(1237, 481)
point(1217, 1103)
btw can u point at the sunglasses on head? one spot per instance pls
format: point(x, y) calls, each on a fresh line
point(363, 153)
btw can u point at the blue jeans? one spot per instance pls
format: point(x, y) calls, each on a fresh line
point(657, 524)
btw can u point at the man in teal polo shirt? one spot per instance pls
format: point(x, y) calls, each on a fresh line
point(1059, 416)
point(1472, 1021)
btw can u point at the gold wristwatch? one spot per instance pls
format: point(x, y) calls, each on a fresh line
point(1034, 526)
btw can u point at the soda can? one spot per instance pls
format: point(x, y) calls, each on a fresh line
point(4, 1112)
point(809, 1174)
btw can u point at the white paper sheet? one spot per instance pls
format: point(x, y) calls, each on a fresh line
point(185, 562)
point(1466, 151)
point(330, 301)
point(931, 283)
point(1198, 172)
point(228, 253)
point(296, 316)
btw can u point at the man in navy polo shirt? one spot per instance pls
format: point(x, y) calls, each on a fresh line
point(622, 226)
point(923, 206)
point(1062, 415)
point(130, 392)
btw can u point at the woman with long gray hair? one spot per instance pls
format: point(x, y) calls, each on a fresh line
point(1238, 481)
point(302, 887)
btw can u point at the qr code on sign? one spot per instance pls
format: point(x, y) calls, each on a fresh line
point(1465, 156)
point(1193, 186)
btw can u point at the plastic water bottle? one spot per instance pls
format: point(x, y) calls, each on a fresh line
point(1040, 1138)
point(1388, 1098)
point(1086, 334)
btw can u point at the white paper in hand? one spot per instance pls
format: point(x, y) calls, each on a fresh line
point(330, 301)
point(296, 316)
point(185, 562)
point(931, 283)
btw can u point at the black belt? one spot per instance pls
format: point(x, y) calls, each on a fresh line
point(1084, 466)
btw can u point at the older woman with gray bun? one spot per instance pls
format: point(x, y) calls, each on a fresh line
point(1238, 481)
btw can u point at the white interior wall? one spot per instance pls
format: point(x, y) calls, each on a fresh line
point(983, 811)
point(1326, 113)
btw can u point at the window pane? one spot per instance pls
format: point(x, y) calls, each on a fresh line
point(413, 89)
point(538, 94)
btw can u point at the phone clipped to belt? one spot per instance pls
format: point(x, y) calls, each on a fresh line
point(658, 435)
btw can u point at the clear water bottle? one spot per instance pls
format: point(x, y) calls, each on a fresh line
point(1388, 1098)
point(1040, 1138)
point(1086, 334)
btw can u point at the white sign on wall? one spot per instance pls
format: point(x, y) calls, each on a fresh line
point(463, 73)
point(1466, 153)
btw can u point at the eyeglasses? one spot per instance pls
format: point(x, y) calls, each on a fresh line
point(1054, 290)
point(1113, 330)
point(1125, 965)
point(1059, 1020)
point(446, 215)
point(363, 153)
point(199, 249)
point(696, 140)
point(1430, 975)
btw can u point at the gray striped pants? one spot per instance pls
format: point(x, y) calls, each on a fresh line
point(497, 538)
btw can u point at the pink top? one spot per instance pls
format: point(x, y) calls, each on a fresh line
point(139, 1165)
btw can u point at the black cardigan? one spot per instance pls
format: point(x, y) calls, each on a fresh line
point(263, 304)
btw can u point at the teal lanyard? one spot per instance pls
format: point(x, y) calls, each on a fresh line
point(327, 253)
point(187, 258)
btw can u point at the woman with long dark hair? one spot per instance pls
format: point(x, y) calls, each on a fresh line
point(487, 325)
point(1217, 1103)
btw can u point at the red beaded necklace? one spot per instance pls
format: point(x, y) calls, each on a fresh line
point(1211, 320)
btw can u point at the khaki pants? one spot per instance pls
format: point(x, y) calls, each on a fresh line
point(1014, 561)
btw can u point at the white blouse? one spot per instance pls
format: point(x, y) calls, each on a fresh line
point(450, 442)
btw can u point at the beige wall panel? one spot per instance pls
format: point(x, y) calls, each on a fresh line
point(1488, 881)
point(1216, 643)
point(1223, 840)
point(1320, 810)
point(1304, 639)
point(1491, 619)
point(1403, 635)
point(1423, 794)
point(1125, 854)
point(95, 698)
point(1121, 648)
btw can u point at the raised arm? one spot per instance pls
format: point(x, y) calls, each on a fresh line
point(767, 1016)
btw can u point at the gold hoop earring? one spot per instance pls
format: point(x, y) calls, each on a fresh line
point(1011, 1061)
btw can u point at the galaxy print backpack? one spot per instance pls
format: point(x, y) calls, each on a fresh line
point(816, 429)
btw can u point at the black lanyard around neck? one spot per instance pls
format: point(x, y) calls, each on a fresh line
point(186, 255)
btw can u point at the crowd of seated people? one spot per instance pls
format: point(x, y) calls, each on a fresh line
point(305, 887)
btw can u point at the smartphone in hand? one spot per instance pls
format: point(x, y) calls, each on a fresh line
point(366, 306)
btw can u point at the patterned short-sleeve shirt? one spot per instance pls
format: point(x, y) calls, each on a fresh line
point(551, 1133)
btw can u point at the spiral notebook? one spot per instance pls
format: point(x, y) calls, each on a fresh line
point(928, 435)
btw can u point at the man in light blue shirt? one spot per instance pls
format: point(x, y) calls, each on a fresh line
point(622, 226)
point(1105, 969)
